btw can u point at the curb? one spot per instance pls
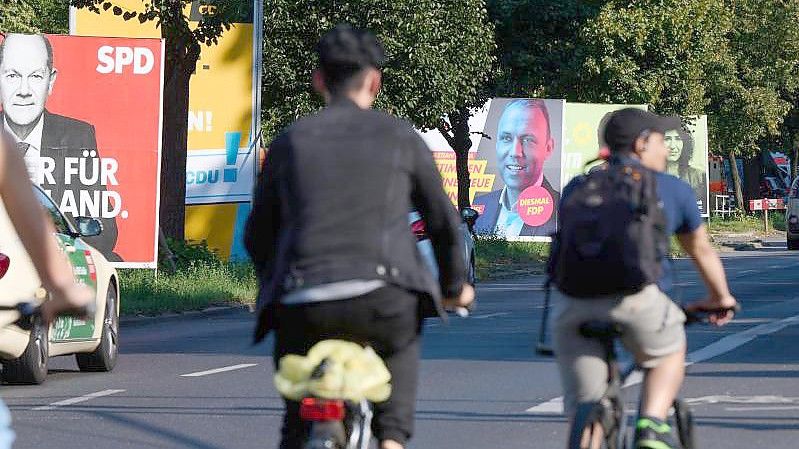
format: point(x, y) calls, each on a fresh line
point(142, 320)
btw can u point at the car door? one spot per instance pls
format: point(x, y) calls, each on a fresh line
point(70, 328)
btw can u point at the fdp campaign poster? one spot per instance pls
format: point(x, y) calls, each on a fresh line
point(521, 142)
point(86, 114)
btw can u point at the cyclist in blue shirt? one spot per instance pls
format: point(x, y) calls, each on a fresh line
point(653, 324)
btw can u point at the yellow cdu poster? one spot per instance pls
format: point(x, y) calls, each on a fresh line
point(223, 118)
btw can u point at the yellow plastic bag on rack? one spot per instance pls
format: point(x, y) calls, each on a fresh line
point(354, 373)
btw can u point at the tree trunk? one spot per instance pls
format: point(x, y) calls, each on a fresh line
point(456, 133)
point(460, 134)
point(182, 53)
point(736, 181)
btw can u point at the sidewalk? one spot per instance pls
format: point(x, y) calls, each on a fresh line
point(749, 241)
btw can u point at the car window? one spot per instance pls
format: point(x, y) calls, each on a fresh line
point(62, 224)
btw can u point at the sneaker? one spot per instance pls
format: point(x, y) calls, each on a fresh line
point(652, 433)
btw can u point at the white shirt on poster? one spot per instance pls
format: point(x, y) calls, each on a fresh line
point(509, 222)
point(33, 159)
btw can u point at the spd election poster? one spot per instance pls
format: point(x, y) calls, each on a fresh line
point(86, 113)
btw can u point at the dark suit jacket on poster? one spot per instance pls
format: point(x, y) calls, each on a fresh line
point(64, 137)
point(487, 222)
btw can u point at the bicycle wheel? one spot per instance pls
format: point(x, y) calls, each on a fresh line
point(326, 435)
point(595, 427)
point(684, 421)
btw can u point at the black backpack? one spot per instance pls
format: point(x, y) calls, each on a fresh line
point(612, 236)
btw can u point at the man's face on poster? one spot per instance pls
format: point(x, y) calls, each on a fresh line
point(523, 144)
point(675, 144)
point(26, 80)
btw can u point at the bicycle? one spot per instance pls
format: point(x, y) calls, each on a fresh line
point(608, 412)
point(336, 423)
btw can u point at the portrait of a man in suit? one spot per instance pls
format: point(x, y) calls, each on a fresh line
point(524, 142)
point(27, 78)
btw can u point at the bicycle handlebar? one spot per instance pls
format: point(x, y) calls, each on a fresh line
point(29, 310)
point(702, 315)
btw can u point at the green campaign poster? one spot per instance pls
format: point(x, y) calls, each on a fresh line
point(687, 159)
point(582, 142)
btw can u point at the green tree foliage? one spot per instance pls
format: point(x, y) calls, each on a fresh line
point(440, 56)
point(654, 52)
point(182, 50)
point(17, 16)
point(52, 16)
point(40, 16)
point(751, 91)
point(538, 42)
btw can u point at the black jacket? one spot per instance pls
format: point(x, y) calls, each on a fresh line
point(332, 204)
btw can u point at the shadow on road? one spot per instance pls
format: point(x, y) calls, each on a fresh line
point(732, 422)
point(749, 373)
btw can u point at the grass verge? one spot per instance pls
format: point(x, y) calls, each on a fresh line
point(749, 223)
point(193, 287)
point(496, 257)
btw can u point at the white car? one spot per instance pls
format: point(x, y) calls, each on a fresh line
point(94, 341)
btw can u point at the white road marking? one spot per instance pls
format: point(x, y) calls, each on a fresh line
point(220, 370)
point(490, 315)
point(78, 399)
point(511, 286)
point(722, 346)
point(725, 399)
point(762, 409)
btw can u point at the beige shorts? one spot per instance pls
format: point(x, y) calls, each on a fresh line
point(653, 328)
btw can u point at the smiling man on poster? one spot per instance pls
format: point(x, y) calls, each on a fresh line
point(526, 206)
point(49, 142)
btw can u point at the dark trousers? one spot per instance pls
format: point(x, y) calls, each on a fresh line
point(388, 320)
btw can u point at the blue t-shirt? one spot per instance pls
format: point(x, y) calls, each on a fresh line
point(682, 215)
point(679, 207)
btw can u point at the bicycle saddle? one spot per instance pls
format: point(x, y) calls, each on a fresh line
point(603, 330)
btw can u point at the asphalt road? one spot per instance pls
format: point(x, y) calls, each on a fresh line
point(482, 386)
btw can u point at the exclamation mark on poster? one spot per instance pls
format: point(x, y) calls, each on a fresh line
point(232, 142)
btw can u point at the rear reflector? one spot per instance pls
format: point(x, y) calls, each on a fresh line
point(418, 229)
point(5, 262)
point(314, 409)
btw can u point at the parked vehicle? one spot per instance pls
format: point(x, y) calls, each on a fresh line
point(469, 217)
point(792, 216)
point(24, 353)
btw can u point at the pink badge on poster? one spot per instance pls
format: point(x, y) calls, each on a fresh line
point(535, 206)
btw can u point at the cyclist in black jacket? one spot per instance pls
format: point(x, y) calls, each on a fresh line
point(330, 238)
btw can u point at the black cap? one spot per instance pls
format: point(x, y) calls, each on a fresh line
point(345, 47)
point(626, 125)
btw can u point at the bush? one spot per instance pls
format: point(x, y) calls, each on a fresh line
point(187, 253)
point(495, 256)
point(747, 223)
point(196, 286)
point(201, 279)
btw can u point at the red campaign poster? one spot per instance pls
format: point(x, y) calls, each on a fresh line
point(87, 113)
